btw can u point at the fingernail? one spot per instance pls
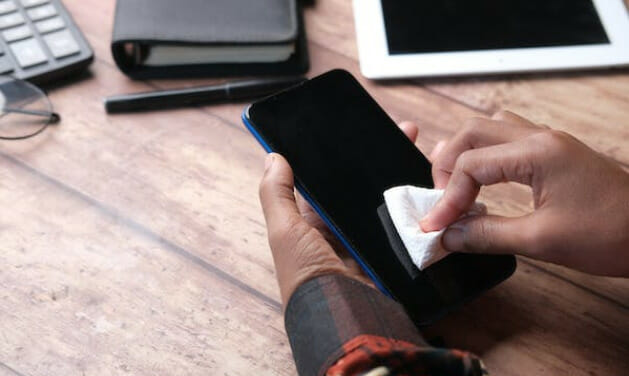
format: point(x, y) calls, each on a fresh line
point(453, 239)
point(268, 161)
point(423, 223)
point(426, 222)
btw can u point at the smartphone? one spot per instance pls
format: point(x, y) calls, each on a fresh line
point(345, 151)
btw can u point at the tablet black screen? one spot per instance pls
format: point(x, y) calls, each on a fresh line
point(424, 26)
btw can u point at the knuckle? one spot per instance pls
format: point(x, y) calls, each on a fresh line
point(549, 145)
point(473, 123)
point(471, 127)
point(553, 139)
point(522, 170)
point(464, 161)
point(534, 240)
point(501, 115)
point(478, 237)
point(439, 166)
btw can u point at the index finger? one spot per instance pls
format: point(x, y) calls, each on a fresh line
point(477, 133)
point(515, 161)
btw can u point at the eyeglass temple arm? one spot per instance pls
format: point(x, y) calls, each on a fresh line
point(53, 116)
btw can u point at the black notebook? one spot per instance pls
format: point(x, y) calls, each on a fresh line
point(191, 38)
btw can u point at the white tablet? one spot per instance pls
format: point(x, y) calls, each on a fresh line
point(402, 38)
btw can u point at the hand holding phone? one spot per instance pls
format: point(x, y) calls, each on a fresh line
point(297, 238)
point(345, 152)
point(297, 232)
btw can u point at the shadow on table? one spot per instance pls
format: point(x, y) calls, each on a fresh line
point(480, 325)
point(66, 81)
point(534, 318)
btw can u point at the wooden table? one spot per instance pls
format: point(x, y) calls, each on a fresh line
point(135, 244)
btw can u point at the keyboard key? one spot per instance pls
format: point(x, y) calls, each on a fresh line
point(11, 19)
point(6, 65)
point(32, 3)
point(62, 43)
point(7, 6)
point(42, 12)
point(17, 33)
point(49, 25)
point(28, 52)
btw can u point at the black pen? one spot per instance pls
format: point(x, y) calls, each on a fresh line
point(231, 91)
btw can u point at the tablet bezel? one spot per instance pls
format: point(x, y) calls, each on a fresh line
point(376, 63)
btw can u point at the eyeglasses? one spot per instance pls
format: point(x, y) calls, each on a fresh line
point(25, 110)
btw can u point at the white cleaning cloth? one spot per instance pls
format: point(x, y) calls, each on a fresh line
point(407, 205)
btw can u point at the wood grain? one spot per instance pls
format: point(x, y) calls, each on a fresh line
point(135, 243)
point(92, 293)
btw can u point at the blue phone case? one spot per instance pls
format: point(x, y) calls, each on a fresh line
point(328, 222)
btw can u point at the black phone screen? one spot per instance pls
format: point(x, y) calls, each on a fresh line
point(345, 152)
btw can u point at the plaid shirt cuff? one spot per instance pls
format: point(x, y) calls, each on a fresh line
point(333, 318)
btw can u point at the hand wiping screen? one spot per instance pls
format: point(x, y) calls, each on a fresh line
point(406, 206)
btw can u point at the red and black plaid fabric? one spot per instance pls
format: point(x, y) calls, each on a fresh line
point(372, 355)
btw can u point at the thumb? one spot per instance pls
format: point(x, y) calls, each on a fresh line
point(277, 194)
point(489, 234)
point(299, 251)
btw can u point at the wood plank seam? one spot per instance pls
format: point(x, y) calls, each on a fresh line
point(135, 226)
point(567, 280)
point(10, 369)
